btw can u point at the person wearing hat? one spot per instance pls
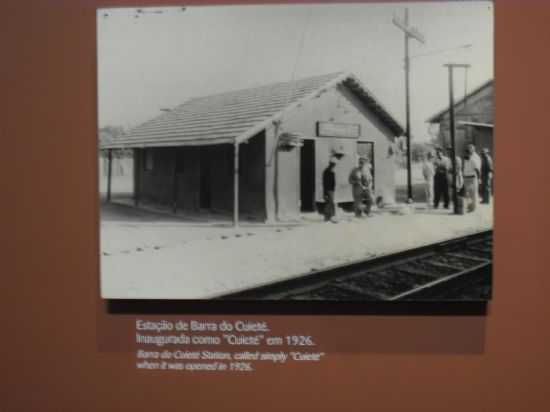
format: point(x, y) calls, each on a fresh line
point(472, 173)
point(360, 179)
point(442, 164)
point(329, 185)
point(486, 176)
point(368, 181)
point(459, 176)
point(428, 173)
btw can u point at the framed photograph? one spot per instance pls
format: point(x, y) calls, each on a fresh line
point(323, 152)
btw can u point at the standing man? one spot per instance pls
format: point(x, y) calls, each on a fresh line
point(459, 176)
point(442, 164)
point(486, 176)
point(358, 182)
point(472, 172)
point(368, 182)
point(428, 173)
point(329, 185)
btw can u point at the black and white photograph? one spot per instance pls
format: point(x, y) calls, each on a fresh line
point(300, 152)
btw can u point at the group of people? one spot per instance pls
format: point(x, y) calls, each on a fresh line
point(361, 181)
point(474, 175)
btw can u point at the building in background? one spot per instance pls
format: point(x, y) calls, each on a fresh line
point(260, 153)
point(473, 120)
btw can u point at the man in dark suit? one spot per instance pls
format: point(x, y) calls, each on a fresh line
point(486, 176)
point(442, 165)
point(329, 185)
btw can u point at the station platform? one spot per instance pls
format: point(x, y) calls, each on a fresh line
point(156, 256)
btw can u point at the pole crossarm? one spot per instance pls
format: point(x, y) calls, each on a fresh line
point(439, 51)
point(409, 30)
point(462, 65)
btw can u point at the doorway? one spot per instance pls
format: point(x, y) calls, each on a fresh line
point(366, 149)
point(307, 176)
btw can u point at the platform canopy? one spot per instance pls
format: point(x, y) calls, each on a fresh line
point(234, 117)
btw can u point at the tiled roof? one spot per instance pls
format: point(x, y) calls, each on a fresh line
point(238, 115)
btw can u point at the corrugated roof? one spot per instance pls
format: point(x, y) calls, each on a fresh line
point(436, 118)
point(239, 115)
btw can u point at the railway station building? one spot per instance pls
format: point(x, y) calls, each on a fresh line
point(259, 153)
point(473, 120)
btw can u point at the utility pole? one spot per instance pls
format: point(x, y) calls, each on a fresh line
point(451, 66)
point(467, 131)
point(409, 32)
point(466, 88)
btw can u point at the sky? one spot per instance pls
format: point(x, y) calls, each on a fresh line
point(168, 55)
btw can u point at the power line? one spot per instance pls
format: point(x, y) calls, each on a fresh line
point(465, 46)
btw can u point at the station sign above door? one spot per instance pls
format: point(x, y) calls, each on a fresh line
point(342, 130)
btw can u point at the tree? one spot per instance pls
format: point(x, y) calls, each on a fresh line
point(418, 150)
point(109, 133)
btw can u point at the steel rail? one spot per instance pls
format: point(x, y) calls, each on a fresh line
point(319, 278)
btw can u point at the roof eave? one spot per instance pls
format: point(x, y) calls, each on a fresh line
point(167, 143)
point(385, 116)
point(438, 117)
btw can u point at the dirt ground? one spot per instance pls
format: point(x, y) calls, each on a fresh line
point(150, 256)
point(151, 253)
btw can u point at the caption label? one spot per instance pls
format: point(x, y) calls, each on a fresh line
point(238, 346)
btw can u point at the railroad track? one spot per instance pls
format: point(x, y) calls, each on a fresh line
point(457, 269)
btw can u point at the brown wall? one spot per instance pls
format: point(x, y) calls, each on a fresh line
point(157, 185)
point(219, 159)
point(65, 352)
point(252, 178)
point(188, 181)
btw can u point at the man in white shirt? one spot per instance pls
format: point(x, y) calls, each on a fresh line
point(428, 172)
point(486, 176)
point(471, 173)
point(361, 181)
point(459, 177)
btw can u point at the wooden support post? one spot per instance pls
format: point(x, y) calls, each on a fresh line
point(236, 186)
point(109, 172)
point(276, 125)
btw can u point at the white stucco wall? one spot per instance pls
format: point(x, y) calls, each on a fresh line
point(340, 105)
